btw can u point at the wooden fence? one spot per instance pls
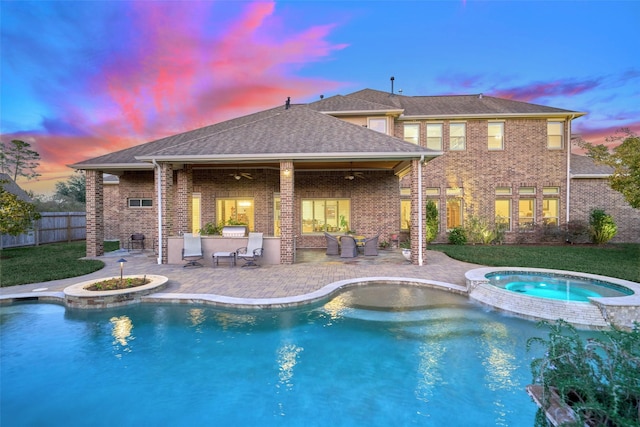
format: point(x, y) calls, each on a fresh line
point(52, 227)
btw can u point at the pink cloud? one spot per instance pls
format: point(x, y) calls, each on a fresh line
point(540, 90)
point(178, 73)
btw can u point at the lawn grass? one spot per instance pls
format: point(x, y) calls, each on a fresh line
point(614, 260)
point(47, 262)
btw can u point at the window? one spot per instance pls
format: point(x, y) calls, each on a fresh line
point(457, 136)
point(196, 219)
point(503, 191)
point(454, 191)
point(550, 190)
point(454, 213)
point(432, 191)
point(555, 135)
point(412, 133)
point(434, 136)
point(527, 190)
point(405, 192)
point(503, 212)
point(236, 211)
point(331, 215)
point(495, 139)
point(379, 125)
point(550, 211)
point(405, 214)
point(526, 212)
point(140, 203)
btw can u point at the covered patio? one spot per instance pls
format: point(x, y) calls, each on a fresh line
point(289, 173)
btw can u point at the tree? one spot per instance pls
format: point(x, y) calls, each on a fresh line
point(16, 216)
point(17, 159)
point(625, 161)
point(74, 189)
point(432, 221)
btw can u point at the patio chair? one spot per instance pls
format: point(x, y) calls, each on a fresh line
point(192, 250)
point(333, 247)
point(348, 246)
point(136, 239)
point(252, 251)
point(371, 246)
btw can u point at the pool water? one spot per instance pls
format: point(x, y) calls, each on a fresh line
point(438, 360)
point(568, 288)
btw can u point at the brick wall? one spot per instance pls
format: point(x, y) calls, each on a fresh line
point(112, 212)
point(525, 161)
point(588, 194)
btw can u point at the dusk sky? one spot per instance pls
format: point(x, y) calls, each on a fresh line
point(83, 78)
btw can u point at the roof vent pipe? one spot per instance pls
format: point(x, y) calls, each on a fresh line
point(321, 96)
point(392, 79)
point(287, 104)
point(480, 96)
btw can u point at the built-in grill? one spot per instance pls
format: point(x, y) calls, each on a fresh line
point(234, 231)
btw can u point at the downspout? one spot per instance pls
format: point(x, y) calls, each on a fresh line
point(569, 167)
point(420, 207)
point(159, 187)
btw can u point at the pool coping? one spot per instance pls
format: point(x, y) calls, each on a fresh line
point(323, 293)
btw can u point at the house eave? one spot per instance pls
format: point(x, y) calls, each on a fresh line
point(497, 116)
point(111, 166)
point(395, 112)
point(590, 176)
point(293, 156)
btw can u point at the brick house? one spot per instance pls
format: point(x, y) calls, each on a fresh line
point(366, 161)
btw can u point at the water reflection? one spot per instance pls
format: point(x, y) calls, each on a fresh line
point(121, 331)
point(336, 307)
point(501, 366)
point(197, 317)
point(287, 360)
point(230, 320)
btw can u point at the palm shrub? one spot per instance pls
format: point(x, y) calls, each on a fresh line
point(598, 378)
point(432, 221)
point(601, 226)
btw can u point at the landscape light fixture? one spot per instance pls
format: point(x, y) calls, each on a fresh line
point(121, 261)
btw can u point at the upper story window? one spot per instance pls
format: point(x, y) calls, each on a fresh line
point(555, 135)
point(434, 136)
point(378, 124)
point(140, 203)
point(412, 133)
point(457, 136)
point(495, 140)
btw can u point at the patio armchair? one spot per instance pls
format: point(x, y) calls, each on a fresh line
point(348, 247)
point(252, 251)
point(192, 250)
point(136, 239)
point(333, 246)
point(371, 246)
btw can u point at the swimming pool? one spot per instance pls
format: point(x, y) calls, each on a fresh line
point(434, 359)
point(556, 286)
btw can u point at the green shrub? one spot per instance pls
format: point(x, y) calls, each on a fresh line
point(457, 236)
point(602, 226)
point(210, 229)
point(432, 221)
point(479, 231)
point(577, 231)
point(597, 378)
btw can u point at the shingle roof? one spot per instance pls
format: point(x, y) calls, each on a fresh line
point(10, 186)
point(457, 105)
point(583, 165)
point(297, 132)
point(340, 103)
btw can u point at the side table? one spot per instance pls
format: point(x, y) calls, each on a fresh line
point(230, 255)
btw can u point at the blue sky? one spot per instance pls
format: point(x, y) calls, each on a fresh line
point(80, 79)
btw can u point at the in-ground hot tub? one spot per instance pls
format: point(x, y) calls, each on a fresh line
point(542, 294)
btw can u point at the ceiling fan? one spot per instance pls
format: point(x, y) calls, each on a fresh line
point(239, 175)
point(353, 175)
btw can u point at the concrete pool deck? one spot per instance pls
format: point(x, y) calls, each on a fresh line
point(276, 284)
